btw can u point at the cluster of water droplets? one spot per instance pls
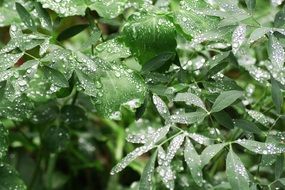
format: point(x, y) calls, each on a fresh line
point(247, 61)
point(3, 141)
point(193, 11)
point(161, 107)
point(200, 139)
point(10, 180)
point(190, 99)
point(260, 117)
point(112, 50)
point(238, 37)
point(64, 7)
point(262, 148)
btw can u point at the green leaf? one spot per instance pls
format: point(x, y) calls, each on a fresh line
point(277, 96)
point(148, 35)
point(194, 162)
point(44, 16)
point(130, 157)
point(109, 8)
point(9, 178)
point(276, 52)
point(188, 118)
point(8, 14)
point(190, 99)
point(247, 126)
point(250, 4)
point(8, 60)
point(71, 31)
point(238, 38)
point(146, 181)
point(65, 7)
point(217, 63)
point(40, 89)
point(223, 34)
point(55, 139)
point(191, 21)
point(112, 50)
point(72, 115)
point(279, 165)
point(18, 109)
point(275, 138)
point(157, 62)
point(210, 151)
point(225, 99)
point(118, 86)
point(200, 139)
point(3, 141)
point(150, 144)
point(262, 148)
point(279, 19)
point(45, 113)
point(172, 149)
point(224, 119)
point(260, 117)
point(236, 172)
point(55, 77)
point(26, 17)
point(258, 33)
point(161, 108)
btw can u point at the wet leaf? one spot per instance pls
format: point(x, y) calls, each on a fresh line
point(236, 172)
point(194, 162)
point(225, 99)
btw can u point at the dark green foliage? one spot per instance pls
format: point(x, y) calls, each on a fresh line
point(142, 94)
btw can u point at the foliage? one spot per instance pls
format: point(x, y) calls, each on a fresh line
point(196, 87)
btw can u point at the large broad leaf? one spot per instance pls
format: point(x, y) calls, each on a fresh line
point(236, 172)
point(111, 85)
point(3, 141)
point(148, 35)
point(225, 99)
point(9, 178)
point(192, 21)
point(262, 148)
point(147, 175)
point(194, 162)
point(118, 86)
point(112, 50)
point(19, 109)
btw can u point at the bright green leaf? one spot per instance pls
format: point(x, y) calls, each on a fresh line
point(225, 99)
